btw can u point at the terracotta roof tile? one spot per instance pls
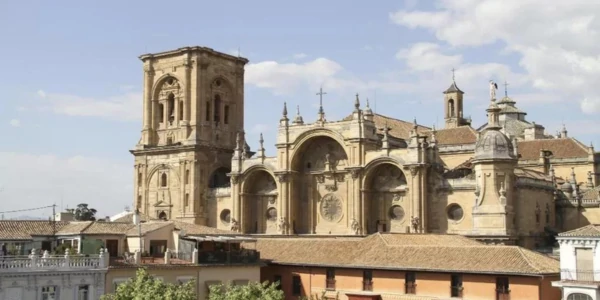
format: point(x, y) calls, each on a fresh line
point(14, 230)
point(107, 228)
point(448, 253)
point(585, 231)
point(455, 136)
point(74, 227)
point(398, 128)
point(561, 148)
point(147, 227)
point(592, 194)
point(193, 229)
point(527, 173)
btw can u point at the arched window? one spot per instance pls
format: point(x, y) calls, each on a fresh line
point(169, 140)
point(579, 296)
point(187, 176)
point(171, 107)
point(217, 109)
point(186, 200)
point(207, 110)
point(163, 180)
point(139, 179)
point(226, 114)
point(451, 108)
point(162, 216)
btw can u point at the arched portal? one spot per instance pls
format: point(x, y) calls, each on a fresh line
point(317, 167)
point(259, 203)
point(219, 178)
point(386, 208)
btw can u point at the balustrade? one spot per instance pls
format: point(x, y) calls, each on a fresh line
point(46, 261)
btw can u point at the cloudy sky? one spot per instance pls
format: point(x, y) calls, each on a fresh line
point(70, 106)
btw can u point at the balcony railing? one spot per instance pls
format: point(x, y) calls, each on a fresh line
point(456, 291)
point(330, 284)
point(502, 294)
point(368, 285)
point(229, 257)
point(410, 288)
point(52, 262)
point(580, 275)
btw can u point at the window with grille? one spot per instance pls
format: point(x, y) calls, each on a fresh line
point(330, 279)
point(579, 296)
point(410, 283)
point(367, 280)
point(502, 288)
point(296, 285)
point(456, 286)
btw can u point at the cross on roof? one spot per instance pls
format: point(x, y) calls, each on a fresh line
point(453, 70)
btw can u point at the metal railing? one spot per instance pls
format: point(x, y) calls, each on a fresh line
point(228, 257)
point(456, 291)
point(368, 285)
point(580, 275)
point(330, 284)
point(410, 288)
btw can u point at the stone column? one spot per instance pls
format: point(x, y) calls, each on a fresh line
point(236, 198)
point(356, 211)
point(363, 209)
point(286, 212)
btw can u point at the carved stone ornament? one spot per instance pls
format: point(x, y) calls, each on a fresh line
point(397, 197)
point(355, 226)
point(355, 173)
point(282, 177)
point(331, 187)
point(320, 178)
point(234, 179)
point(234, 225)
point(413, 170)
point(331, 208)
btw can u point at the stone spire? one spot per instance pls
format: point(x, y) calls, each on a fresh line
point(433, 132)
point(284, 121)
point(384, 141)
point(493, 116)
point(563, 132)
point(356, 104)
point(368, 113)
point(590, 181)
point(298, 119)
point(261, 148)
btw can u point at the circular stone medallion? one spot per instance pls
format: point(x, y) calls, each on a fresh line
point(331, 208)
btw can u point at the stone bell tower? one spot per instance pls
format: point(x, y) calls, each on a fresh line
point(193, 109)
point(453, 106)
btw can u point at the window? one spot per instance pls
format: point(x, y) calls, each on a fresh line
point(139, 179)
point(83, 292)
point(330, 279)
point(207, 111)
point(171, 107)
point(187, 176)
point(217, 109)
point(226, 114)
point(186, 201)
point(163, 180)
point(502, 289)
point(451, 108)
point(410, 283)
point(278, 280)
point(161, 112)
point(139, 202)
point(180, 110)
point(579, 296)
point(367, 280)
point(296, 285)
point(50, 293)
point(456, 286)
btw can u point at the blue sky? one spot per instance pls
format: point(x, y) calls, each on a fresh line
point(71, 79)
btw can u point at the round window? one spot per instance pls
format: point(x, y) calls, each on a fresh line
point(396, 213)
point(272, 214)
point(226, 216)
point(455, 212)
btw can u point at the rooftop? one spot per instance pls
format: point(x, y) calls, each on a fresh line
point(585, 231)
point(22, 230)
point(423, 252)
point(561, 148)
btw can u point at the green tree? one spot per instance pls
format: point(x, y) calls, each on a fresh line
point(319, 297)
point(145, 287)
point(251, 291)
point(84, 213)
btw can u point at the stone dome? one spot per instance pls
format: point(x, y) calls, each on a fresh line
point(493, 144)
point(566, 187)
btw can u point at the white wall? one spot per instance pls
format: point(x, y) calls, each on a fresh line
point(28, 285)
point(568, 260)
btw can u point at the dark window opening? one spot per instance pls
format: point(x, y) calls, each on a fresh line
point(308, 165)
point(367, 280)
point(226, 114)
point(207, 111)
point(277, 280)
point(171, 107)
point(187, 176)
point(139, 202)
point(330, 279)
point(296, 285)
point(456, 286)
point(162, 216)
point(139, 179)
point(169, 141)
point(217, 109)
point(186, 201)
point(219, 178)
point(180, 110)
point(163, 180)
point(502, 288)
point(410, 283)
point(161, 112)
point(451, 112)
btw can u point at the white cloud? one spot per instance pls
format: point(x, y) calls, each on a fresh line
point(556, 43)
point(21, 108)
point(15, 123)
point(590, 106)
point(121, 107)
point(103, 184)
point(300, 55)
point(41, 94)
point(427, 57)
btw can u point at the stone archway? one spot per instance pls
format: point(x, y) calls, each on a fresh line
point(259, 203)
point(319, 165)
point(386, 208)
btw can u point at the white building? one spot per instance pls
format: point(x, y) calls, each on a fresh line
point(53, 277)
point(580, 263)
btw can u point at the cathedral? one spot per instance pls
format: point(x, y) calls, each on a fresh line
point(504, 182)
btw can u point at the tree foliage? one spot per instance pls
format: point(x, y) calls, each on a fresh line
point(84, 213)
point(319, 297)
point(146, 287)
point(251, 291)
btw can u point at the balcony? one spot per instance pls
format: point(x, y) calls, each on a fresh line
point(45, 262)
point(245, 256)
point(580, 275)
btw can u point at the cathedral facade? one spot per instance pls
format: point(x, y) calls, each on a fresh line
point(504, 182)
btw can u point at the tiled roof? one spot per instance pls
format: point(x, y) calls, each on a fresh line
point(192, 229)
point(561, 148)
point(398, 128)
point(147, 227)
point(592, 194)
point(455, 136)
point(128, 218)
point(108, 228)
point(521, 172)
point(448, 253)
point(586, 231)
point(74, 227)
point(14, 230)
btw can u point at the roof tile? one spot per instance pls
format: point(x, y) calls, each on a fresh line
point(561, 148)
